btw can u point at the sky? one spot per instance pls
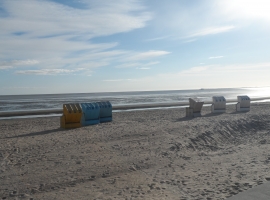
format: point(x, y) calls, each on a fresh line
point(81, 46)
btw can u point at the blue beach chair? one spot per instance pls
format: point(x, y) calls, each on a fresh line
point(90, 114)
point(105, 111)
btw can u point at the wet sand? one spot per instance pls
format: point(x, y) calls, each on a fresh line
point(154, 154)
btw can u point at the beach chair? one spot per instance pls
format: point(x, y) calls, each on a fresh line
point(72, 114)
point(243, 103)
point(105, 111)
point(218, 104)
point(90, 114)
point(194, 109)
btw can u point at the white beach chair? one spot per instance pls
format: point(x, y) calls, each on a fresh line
point(194, 109)
point(243, 103)
point(218, 105)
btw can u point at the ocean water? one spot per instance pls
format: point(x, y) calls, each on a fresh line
point(56, 101)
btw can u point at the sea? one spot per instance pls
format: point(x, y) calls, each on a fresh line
point(56, 101)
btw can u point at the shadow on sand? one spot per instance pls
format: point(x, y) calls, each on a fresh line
point(212, 114)
point(191, 118)
point(36, 133)
point(239, 112)
point(184, 119)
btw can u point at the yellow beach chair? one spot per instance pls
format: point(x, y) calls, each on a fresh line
point(72, 114)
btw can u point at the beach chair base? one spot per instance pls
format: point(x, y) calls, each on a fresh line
point(197, 114)
point(65, 125)
point(190, 113)
point(217, 111)
point(105, 119)
point(90, 122)
point(239, 109)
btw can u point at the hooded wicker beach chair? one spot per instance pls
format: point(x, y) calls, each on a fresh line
point(195, 107)
point(243, 103)
point(90, 114)
point(105, 114)
point(72, 114)
point(218, 104)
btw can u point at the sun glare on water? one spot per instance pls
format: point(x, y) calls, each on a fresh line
point(259, 92)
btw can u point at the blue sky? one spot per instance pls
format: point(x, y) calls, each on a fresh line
point(57, 46)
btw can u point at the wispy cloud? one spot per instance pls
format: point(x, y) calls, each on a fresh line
point(128, 65)
point(5, 67)
point(48, 71)
point(226, 70)
point(143, 68)
point(119, 80)
point(147, 55)
point(24, 62)
point(136, 64)
point(210, 31)
point(215, 57)
point(54, 19)
point(59, 36)
point(22, 87)
point(17, 63)
point(189, 41)
point(195, 70)
point(159, 38)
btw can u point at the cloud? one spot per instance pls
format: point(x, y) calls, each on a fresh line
point(159, 38)
point(215, 57)
point(136, 64)
point(211, 76)
point(16, 63)
point(119, 80)
point(22, 87)
point(143, 68)
point(24, 62)
point(128, 65)
point(208, 18)
point(54, 19)
point(48, 71)
point(5, 67)
point(226, 70)
point(147, 55)
point(221, 73)
point(243, 68)
point(210, 31)
point(60, 36)
point(195, 70)
point(189, 41)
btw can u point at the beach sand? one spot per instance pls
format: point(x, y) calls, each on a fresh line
point(151, 154)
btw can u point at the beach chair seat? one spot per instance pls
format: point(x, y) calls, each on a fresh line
point(72, 114)
point(195, 107)
point(218, 104)
point(243, 103)
point(105, 111)
point(90, 114)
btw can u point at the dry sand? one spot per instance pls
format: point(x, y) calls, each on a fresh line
point(154, 154)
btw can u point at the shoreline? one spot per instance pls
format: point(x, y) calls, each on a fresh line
point(150, 154)
point(119, 108)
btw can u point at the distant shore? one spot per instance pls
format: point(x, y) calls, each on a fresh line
point(151, 154)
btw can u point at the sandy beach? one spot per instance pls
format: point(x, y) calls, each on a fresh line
point(151, 154)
